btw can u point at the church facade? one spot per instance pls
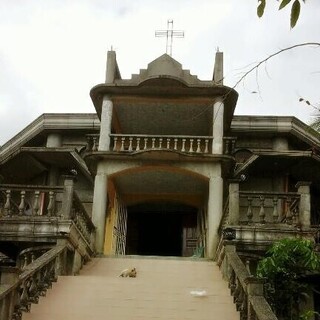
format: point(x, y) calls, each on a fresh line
point(163, 167)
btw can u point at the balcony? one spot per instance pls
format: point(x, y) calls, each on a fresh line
point(44, 214)
point(261, 217)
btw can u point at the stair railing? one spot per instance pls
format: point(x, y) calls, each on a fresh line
point(32, 283)
point(82, 220)
point(247, 290)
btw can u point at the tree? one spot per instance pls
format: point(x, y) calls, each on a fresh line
point(315, 124)
point(295, 9)
point(286, 266)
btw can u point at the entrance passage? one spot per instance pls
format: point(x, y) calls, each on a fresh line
point(161, 229)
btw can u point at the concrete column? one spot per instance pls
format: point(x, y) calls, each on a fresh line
point(218, 68)
point(234, 202)
point(217, 130)
point(67, 196)
point(111, 66)
point(99, 209)
point(105, 127)
point(254, 286)
point(215, 209)
point(305, 203)
point(54, 140)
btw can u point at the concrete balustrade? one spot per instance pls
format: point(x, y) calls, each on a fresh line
point(140, 142)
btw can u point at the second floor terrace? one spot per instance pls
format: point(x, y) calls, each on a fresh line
point(43, 215)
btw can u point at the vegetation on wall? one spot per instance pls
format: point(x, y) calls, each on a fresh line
point(288, 264)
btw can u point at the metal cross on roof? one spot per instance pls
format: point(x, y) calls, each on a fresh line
point(169, 34)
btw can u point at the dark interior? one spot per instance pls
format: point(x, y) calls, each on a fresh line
point(157, 229)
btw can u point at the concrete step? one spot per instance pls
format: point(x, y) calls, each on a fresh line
point(162, 290)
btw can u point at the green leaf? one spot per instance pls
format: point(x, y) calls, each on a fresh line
point(284, 3)
point(260, 8)
point(295, 12)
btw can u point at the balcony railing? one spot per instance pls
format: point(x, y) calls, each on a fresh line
point(19, 200)
point(189, 144)
point(23, 204)
point(269, 207)
point(126, 143)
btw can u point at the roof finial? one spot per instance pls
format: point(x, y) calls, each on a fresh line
point(169, 34)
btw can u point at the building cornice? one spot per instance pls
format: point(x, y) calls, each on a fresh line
point(276, 124)
point(49, 121)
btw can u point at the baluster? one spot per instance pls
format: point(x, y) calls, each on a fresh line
point(175, 147)
point(51, 203)
point(22, 202)
point(248, 266)
point(232, 282)
point(275, 213)
point(226, 146)
point(34, 298)
point(122, 143)
point(206, 148)
point(183, 149)
point(160, 143)
point(24, 298)
point(153, 143)
point(237, 294)
point(249, 211)
point(250, 313)
point(295, 217)
point(32, 256)
point(262, 214)
point(88, 146)
point(233, 144)
point(168, 143)
point(145, 143)
point(130, 143)
point(191, 145)
point(138, 144)
point(198, 146)
point(94, 144)
point(36, 204)
point(25, 261)
point(7, 206)
point(288, 213)
point(115, 141)
point(243, 305)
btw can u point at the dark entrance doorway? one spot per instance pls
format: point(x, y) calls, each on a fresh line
point(161, 229)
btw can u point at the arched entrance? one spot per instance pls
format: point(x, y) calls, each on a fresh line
point(162, 229)
point(155, 211)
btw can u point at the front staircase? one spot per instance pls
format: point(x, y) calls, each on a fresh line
point(165, 288)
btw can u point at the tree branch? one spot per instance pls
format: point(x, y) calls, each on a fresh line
point(317, 44)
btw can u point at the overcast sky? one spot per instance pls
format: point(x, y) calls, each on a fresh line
point(52, 52)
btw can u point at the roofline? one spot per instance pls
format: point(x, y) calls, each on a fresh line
point(277, 124)
point(49, 121)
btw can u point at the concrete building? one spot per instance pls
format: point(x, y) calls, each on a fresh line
point(162, 168)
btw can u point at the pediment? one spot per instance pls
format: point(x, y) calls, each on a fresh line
point(166, 67)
